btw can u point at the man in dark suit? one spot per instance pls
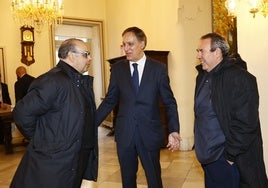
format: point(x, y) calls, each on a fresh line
point(4, 99)
point(23, 83)
point(139, 131)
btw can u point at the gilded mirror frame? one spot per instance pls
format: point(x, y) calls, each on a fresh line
point(2, 65)
point(224, 24)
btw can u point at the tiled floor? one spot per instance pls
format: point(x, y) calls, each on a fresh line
point(180, 169)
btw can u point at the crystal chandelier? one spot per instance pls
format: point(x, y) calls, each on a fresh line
point(36, 13)
point(256, 6)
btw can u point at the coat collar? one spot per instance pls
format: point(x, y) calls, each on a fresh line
point(74, 74)
point(224, 64)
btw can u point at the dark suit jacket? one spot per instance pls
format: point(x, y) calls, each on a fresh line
point(142, 111)
point(5, 93)
point(22, 85)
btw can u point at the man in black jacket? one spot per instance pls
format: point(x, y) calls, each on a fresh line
point(228, 140)
point(57, 115)
point(23, 83)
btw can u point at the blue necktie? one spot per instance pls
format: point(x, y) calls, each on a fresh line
point(135, 77)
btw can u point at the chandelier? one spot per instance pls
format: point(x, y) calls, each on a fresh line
point(256, 6)
point(36, 13)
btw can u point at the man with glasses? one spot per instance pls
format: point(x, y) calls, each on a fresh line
point(57, 116)
point(228, 141)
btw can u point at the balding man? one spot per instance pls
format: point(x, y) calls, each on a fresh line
point(57, 115)
point(23, 83)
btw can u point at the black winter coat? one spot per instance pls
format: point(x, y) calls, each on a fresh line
point(58, 116)
point(235, 99)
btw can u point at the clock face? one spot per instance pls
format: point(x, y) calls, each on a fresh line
point(27, 35)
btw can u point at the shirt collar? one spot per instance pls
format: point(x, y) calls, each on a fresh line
point(140, 61)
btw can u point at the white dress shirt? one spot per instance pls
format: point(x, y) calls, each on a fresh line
point(141, 64)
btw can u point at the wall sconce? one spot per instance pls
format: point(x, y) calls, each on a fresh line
point(255, 7)
point(259, 6)
point(27, 45)
point(231, 6)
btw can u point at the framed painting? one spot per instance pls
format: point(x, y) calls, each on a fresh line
point(2, 65)
point(224, 24)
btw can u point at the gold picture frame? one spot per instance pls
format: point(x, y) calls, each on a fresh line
point(224, 24)
point(2, 65)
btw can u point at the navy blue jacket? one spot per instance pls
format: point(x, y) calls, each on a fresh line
point(140, 111)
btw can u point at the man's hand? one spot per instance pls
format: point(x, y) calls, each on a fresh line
point(173, 141)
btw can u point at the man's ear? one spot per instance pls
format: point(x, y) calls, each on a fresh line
point(70, 55)
point(142, 45)
point(218, 52)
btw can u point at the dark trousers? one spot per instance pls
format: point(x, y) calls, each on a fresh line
point(2, 133)
point(5, 135)
point(220, 174)
point(128, 159)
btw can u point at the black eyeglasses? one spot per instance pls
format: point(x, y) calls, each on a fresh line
point(85, 53)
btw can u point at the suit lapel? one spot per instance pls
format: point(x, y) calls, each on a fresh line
point(147, 71)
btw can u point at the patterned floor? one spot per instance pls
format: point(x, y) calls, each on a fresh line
point(180, 169)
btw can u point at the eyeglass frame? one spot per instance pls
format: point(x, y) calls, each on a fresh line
point(85, 54)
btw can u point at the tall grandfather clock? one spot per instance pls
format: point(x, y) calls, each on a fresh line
point(27, 45)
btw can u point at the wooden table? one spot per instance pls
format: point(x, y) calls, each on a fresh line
point(6, 119)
